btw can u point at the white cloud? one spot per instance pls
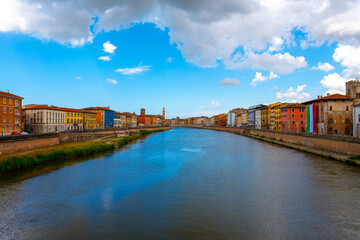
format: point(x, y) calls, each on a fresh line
point(213, 104)
point(260, 78)
point(78, 78)
point(109, 48)
point(349, 57)
point(112, 81)
point(334, 83)
point(230, 81)
point(294, 95)
point(205, 32)
point(280, 63)
point(135, 70)
point(105, 58)
point(326, 67)
point(169, 60)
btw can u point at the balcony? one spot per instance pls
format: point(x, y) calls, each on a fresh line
point(17, 114)
point(17, 105)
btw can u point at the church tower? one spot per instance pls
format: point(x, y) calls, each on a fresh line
point(164, 113)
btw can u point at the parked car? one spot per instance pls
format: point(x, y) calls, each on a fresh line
point(15, 133)
point(24, 133)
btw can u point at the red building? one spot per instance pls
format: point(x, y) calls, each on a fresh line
point(292, 117)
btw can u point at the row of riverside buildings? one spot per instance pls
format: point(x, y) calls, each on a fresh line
point(41, 118)
point(333, 114)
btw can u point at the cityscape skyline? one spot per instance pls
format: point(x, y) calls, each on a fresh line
point(165, 56)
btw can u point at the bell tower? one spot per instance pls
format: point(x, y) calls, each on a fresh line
point(163, 113)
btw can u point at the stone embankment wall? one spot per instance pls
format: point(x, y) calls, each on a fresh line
point(331, 143)
point(12, 144)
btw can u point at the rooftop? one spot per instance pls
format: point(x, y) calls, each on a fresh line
point(336, 96)
point(7, 94)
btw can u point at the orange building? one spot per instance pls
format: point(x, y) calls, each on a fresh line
point(292, 117)
point(149, 120)
point(10, 113)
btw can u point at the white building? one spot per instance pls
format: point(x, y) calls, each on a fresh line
point(356, 120)
point(231, 119)
point(258, 119)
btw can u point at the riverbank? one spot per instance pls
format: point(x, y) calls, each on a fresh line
point(282, 141)
point(68, 150)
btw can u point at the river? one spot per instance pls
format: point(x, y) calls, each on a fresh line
point(184, 184)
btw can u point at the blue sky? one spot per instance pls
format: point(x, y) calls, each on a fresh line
point(181, 68)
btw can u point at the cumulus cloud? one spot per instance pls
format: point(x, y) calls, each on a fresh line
point(134, 70)
point(334, 83)
point(112, 81)
point(349, 57)
point(213, 104)
point(205, 32)
point(230, 81)
point(105, 58)
point(279, 63)
point(326, 67)
point(294, 95)
point(78, 78)
point(109, 48)
point(261, 78)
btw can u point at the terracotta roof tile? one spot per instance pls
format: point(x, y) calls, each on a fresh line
point(10, 95)
point(330, 97)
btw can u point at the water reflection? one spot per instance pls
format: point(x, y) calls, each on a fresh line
point(185, 184)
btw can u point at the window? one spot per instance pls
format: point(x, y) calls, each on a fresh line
point(4, 100)
point(330, 129)
point(4, 119)
point(293, 110)
point(347, 108)
point(358, 95)
point(68, 114)
point(330, 108)
point(10, 128)
point(347, 120)
point(16, 128)
point(4, 110)
point(4, 129)
point(292, 115)
point(302, 122)
point(10, 119)
point(10, 101)
point(10, 110)
point(322, 108)
point(330, 120)
point(293, 122)
point(301, 115)
point(359, 118)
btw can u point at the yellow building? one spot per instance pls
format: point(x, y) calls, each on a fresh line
point(264, 118)
point(89, 120)
point(275, 123)
point(73, 119)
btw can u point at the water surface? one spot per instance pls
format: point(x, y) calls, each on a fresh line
point(184, 184)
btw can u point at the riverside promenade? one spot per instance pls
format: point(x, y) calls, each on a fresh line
point(340, 148)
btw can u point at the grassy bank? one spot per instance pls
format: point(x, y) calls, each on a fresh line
point(67, 150)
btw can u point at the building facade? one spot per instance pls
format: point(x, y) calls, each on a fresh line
point(89, 120)
point(356, 119)
point(73, 119)
point(10, 113)
point(292, 117)
point(275, 116)
point(44, 119)
point(331, 114)
point(264, 118)
point(258, 118)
